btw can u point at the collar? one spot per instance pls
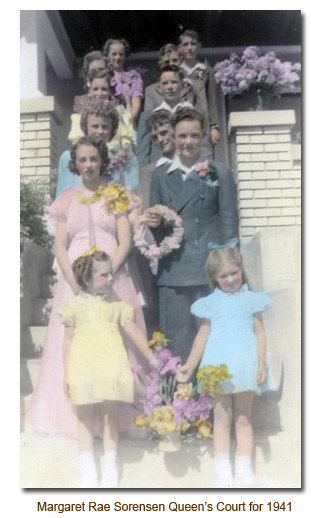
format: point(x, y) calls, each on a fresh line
point(163, 160)
point(165, 106)
point(177, 164)
point(189, 70)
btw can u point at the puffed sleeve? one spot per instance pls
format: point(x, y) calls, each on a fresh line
point(202, 308)
point(66, 314)
point(58, 211)
point(137, 84)
point(260, 302)
point(127, 314)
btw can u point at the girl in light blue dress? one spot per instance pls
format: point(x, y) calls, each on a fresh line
point(232, 333)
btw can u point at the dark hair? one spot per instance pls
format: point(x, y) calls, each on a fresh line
point(158, 118)
point(88, 58)
point(168, 48)
point(220, 256)
point(100, 108)
point(83, 266)
point(106, 47)
point(89, 141)
point(191, 34)
point(188, 114)
point(99, 74)
point(170, 68)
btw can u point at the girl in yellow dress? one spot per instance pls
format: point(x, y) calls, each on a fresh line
point(97, 369)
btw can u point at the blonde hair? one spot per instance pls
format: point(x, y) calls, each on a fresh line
point(219, 257)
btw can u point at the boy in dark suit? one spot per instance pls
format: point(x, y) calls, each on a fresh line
point(189, 46)
point(208, 208)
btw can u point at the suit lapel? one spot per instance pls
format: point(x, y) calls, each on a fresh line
point(184, 191)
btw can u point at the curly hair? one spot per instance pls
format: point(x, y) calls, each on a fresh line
point(219, 257)
point(94, 74)
point(83, 266)
point(188, 114)
point(106, 47)
point(100, 108)
point(170, 68)
point(158, 118)
point(88, 58)
point(89, 141)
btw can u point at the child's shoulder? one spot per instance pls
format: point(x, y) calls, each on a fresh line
point(202, 307)
point(259, 301)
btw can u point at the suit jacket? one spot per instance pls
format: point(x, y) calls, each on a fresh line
point(195, 95)
point(209, 213)
point(207, 78)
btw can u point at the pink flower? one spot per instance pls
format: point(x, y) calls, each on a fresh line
point(186, 105)
point(171, 366)
point(203, 169)
point(136, 368)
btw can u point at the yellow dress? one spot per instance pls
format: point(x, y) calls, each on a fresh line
point(98, 365)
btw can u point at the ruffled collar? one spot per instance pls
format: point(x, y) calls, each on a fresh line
point(98, 296)
point(243, 288)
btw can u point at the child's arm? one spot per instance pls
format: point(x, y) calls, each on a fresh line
point(135, 109)
point(139, 339)
point(124, 236)
point(197, 350)
point(261, 348)
point(62, 257)
point(66, 345)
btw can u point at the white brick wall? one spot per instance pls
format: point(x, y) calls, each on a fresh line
point(38, 140)
point(268, 170)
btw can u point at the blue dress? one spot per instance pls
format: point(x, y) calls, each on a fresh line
point(232, 339)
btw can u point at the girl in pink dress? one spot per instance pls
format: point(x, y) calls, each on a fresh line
point(83, 219)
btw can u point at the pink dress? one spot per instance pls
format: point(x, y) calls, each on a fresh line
point(87, 226)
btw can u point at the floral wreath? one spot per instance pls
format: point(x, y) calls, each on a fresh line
point(145, 242)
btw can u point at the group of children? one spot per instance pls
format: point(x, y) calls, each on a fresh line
point(162, 156)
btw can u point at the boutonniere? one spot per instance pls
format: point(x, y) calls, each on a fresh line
point(187, 81)
point(206, 171)
point(203, 169)
point(201, 69)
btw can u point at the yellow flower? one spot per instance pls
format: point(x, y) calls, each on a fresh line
point(183, 426)
point(141, 420)
point(116, 199)
point(162, 420)
point(184, 391)
point(203, 429)
point(158, 341)
point(210, 377)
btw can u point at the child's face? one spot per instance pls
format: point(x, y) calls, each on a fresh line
point(97, 64)
point(171, 58)
point(189, 48)
point(189, 137)
point(99, 88)
point(171, 86)
point(101, 126)
point(88, 163)
point(229, 277)
point(101, 280)
point(163, 137)
point(116, 55)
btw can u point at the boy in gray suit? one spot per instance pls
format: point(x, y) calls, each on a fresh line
point(208, 208)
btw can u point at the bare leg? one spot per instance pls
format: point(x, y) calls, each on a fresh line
point(109, 417)
point(242, 413)
point(86, 417)
point(222, 423)
point(222, 427)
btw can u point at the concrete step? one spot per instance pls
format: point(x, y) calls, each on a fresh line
point(32, 341)
point(52, 462)
point(47, 285)
point(41, 309)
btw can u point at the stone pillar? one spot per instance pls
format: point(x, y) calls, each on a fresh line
point(39, 119)
point(268, 170)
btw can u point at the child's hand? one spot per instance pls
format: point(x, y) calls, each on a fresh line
point(183, 374)
point(261, 373)
point(153, 217)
